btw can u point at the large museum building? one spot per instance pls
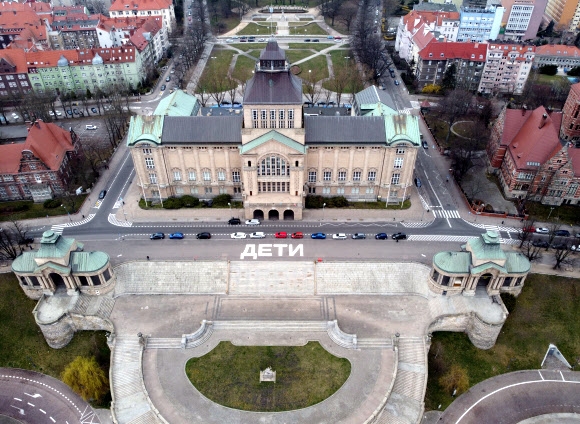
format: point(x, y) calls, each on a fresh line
point(268, 154)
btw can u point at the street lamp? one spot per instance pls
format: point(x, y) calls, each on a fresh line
point(69, 218)
point(230, 205)
point(323, 205)
point(551, 210)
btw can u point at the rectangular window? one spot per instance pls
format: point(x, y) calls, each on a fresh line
point(221, 175)
point(395, 178)
point(236, 176)
point(272, 118)
point(149, 163)
point(208, 190)
point(327, 175)
point(191, 175)
point(372, 176)
point(326, 190)
point(207, 175)
point(356, 175)
point(354, 190)
point(400, 151)
point(341, 175)
point(291, 118)
point(340, 190)
point(311, 176)
point(254, 118)
point(398, 163)
point(370, 190)
point(176, 176)
point(153, 178)
point(38, 178)
point(146, 151)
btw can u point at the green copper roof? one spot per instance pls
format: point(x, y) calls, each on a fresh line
point(377, 109)
point(273, 135)
point(487, 247)
point(24, 262)
point(517, 263)
point(145, 129)
point(479, 269)
point(453, 262)
point(88, 261)
point(53, 245)
point(178, 103)
point(402, 128)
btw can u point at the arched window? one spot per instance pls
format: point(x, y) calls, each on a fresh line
point(327, 175)
point(356, 174)
point(221, 174)
point(176, 174)
point(191, 176)
point(273, 166)
point(372, 175)
point(206, 173)
point(342, 175)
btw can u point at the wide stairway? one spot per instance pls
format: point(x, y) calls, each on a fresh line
point(405, 403)
point(130, 404)
point(100, 306)
point(272, 278)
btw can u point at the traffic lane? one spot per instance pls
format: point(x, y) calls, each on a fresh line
point(34, 398)
point(514, 397)
point(190, 249)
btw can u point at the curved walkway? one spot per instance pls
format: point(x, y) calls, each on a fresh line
point(514, 397)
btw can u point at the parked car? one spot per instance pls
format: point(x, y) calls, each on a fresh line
point(560, 246)
point(235, 221)
point(204, 235)
point(399, 236)
point(281, 234)
point(417, 182)
point(167, 79)
point(542, 230)
point(318, 236)
point(163, 87)
point(157, 236)
point(575, 248)
point(253, 222)
point(297, 235)
point(238, 235)
point(178, 236)
point(94, 110)
point(425, 144)
point(359, 236)
point(562, 233)
point(75, 111)
point(529, 229)
point(102, 194)
point(257, 235)
point(69, 112)
point(540, 243)
point(397, 82)
point(382, 236)
point(339, 236)
point(90, 127)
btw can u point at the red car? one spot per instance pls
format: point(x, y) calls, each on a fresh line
point(297, 235)
point(529, 229)
point(281, 234)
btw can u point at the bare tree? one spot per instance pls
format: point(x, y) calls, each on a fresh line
point(463, 149)
point(12, 237)
point(348, 15)
point(563, 257)
point(553, 228)
point(526, 232)
point(311, 87)
point(533, 253)
point(330, 9)
point(454, 106)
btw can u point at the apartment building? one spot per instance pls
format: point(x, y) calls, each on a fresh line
point(478, 25)
point(522, 18)
point(144, 9)
point(507, 68)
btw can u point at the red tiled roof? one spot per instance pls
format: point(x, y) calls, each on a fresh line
point(530, 143)
point(558, 50)
point(455, 50)
point(16, 57)
point(574, 154)
point(46, 141)
point(138, 38)
point(15, 21)
point(423, 37)
point(47, 59)
point(120, 5)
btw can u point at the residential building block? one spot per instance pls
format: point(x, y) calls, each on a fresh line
point(507, 68)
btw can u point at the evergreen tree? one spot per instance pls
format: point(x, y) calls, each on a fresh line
point(449, 78)
point(86, 378)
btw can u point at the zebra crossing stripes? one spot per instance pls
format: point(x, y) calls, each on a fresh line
point(415, 224)
point(494, 227)
point(59, 228)
point(114, 221)
point(446, 214)
point(457, 239)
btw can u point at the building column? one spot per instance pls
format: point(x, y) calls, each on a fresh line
point(350, 164)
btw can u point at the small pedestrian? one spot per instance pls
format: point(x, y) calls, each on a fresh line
point(147, 257)
point(83, 217)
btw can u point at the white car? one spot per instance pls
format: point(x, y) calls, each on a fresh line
point(253, 222)
point(542, 230)
point(90, 127)
point(238, 235)
point(575, 248)
point(258, 235)
point(339, 236)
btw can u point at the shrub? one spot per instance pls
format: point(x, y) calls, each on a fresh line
point(431, 89)
point(337, 202)
point(52, 203)
point(172, 203)
point(509, 300)
point(11, 207)
point(188, 201)
point(314, 202)
point(549, 69)
point(574, 72)
point(221, 200)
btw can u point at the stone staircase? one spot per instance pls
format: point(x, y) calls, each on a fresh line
point(130, 403)
point(192, 277)
point(371, 277)
point(271, 278)
point(163, 343)
point(405, 403)
point(272, 326)
point(100, 306)
point(374, 343)
point(81, 305)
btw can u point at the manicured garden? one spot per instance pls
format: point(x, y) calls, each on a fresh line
point(305, 375)
point(27, 209)
point(547, 311)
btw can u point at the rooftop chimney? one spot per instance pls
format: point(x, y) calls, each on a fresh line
point(543, 121)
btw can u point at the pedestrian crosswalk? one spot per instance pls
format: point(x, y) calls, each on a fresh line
point(416, 224)
point(113, 220)
point(446, 214)
point(59, 228)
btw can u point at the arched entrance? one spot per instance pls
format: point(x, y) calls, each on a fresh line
point(57, 279)
point(273, 215)
point(484, 280)
point(288, 215)
point(259, 214)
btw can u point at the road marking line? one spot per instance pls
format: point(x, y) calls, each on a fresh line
point(31, 404)
point(562, 375)
point(541, 376)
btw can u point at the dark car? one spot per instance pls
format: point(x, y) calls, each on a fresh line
point(540, 243)
point(69, 112)
point(318, 236)
point(102, 194)
point(157, 236)
point(382, 236)
point(560, 246)
point(417, 182)
point(316, 40)
point(176, 236)
point(562, 233)
point(359, 236)
point(76, 111)
point(307, 40)
point(203, 235)
point(399, 236)
point(163, 87)
point(425, 144)
point(235, 221)
point(94, 109)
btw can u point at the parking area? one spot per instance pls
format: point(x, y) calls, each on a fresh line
point(97, 136)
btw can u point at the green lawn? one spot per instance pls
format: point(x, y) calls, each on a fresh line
point(296, 55)
point(23, 345)
point(250, 46)
point(298, 28)
point(219, 62)
point(244, 67)
point(565, 214)
point(259, 30)
point(318, 63)
point(27, 209)
point(547, 311)
point(310, 46)
point(305, 375)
